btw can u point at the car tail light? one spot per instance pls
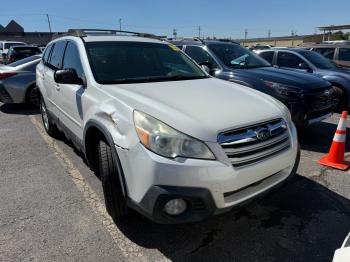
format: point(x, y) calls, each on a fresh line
point(6, 75)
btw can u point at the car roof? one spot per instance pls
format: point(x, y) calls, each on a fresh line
point(9, 41)
point(111, 38)
point(329, 46)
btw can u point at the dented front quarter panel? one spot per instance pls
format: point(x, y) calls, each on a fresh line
point(112, 115)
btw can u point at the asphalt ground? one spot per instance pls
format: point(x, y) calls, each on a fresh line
point(52, 209)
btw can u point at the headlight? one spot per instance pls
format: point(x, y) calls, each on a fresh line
point(166, 141)
point(285, 89)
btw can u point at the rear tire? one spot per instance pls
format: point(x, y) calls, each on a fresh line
point(48, 124)
point(110, 169)
point(32, 96)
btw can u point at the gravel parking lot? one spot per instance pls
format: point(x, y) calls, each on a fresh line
point(51, 208)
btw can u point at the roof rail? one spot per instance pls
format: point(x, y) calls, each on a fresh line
point(96, 32)
point(196, 39)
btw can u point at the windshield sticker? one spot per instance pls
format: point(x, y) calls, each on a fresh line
point(174, 47)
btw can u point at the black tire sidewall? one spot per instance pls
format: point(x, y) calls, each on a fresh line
point(109, 171)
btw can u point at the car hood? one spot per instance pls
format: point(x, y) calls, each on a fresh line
point(337, 72)
point(200, 108)
point(284, 76)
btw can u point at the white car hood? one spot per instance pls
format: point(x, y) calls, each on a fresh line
point(200, 108)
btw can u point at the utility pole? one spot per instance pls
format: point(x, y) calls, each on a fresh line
point(48, 21)
point(120, 24)
point(245, 34)
point(174, 33)
point(199, 31)
point(269, 33)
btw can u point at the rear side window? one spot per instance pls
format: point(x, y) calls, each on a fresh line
point(57, 55)
point(344, 54)
point(26, 50)
point(268, 56)
point(8, 45)
point(326, 52)
point(285, 59)
point(199, 55)
point(1, 46)
point(47, 54)
point(72, 59)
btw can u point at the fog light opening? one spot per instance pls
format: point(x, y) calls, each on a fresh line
point(175, 207)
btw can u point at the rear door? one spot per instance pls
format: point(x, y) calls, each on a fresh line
point(53, 88)
point(343, 57)
point(71, 95)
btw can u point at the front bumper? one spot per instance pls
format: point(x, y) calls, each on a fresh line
point(309, 110)
point(209, 187)
point(4, 95)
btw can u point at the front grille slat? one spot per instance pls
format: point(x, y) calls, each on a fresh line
point(275, 139)
point(241, 159)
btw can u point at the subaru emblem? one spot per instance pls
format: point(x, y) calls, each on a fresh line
point(262, 133)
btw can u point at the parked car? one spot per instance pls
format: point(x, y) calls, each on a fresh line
point(259, 47)
point(16, 53)
point(17, 81)
point(338, 53)
point(5, 46)
point(309, 98)
point(167, 139)
point(313, 63)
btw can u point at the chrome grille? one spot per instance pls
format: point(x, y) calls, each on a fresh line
point(254, 143)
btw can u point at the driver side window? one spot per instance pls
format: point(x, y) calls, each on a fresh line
point(285, 59)
point(72, 59)
point(199, 55)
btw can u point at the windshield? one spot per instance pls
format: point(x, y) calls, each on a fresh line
point(25, 60)
point(8, 45)
point(318, 60)
point(236, 56)
point(131, 62)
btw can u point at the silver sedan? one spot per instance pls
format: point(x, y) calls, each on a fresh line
point(17, 81)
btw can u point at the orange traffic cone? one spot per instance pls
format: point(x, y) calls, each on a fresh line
point(335, 157)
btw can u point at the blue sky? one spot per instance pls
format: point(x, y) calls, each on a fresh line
point(222, 18)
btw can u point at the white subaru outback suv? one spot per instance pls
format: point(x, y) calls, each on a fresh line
point(166, 139)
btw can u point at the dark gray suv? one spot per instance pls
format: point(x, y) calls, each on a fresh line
point(312, 62)
point(309, 98)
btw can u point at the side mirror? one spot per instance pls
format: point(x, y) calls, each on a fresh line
point(304, 66)
point(68, 76)
point(208, 67)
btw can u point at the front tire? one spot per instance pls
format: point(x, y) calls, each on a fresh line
point(49, 127)
point(110, 169)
